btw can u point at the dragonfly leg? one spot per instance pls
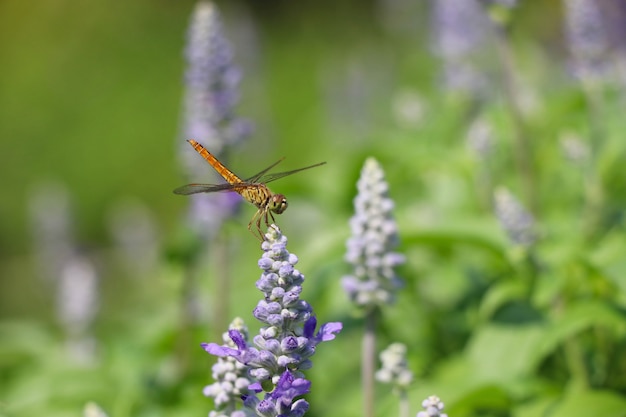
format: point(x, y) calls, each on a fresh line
point(256, 219)
point(267, 222)
point(272, 217)
point(258, 223)
point(268, 216)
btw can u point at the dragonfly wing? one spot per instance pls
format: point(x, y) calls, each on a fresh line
point(255, 177)
point(203, 188)
point(274, 176)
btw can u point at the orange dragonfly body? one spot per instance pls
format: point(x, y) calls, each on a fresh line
point(252, 189)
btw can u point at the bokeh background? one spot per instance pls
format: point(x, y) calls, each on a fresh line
point(90, 111)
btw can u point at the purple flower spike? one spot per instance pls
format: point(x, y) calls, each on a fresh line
point(286, 342)
point(211, 94)
point(373, 282)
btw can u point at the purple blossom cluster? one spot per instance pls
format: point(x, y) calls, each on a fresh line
point(586, 33)
point(230, 376)
point(370, 248)
point(71, 272)
point(287, 341)
point(212, 83)
point(211, 94)
point(394, 367)
point(460, 31)
point(433, 407)
point(516, 221)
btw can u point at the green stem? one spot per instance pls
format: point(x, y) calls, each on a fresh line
point(368, 361)
point(404, 404)
point(523, 151)
point(576, 363)
point(594, 194)
point(188, 314)
point(223, 274)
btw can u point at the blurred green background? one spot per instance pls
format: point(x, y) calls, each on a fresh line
point(90, 98)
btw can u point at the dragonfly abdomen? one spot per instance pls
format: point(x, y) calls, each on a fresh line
point(215, 163)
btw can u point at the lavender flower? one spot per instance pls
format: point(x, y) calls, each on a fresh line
point(433, 407)
point(211, 94)
point(231, 380)
point(480, 137)
point(374, 236)
point(71, 272)
point(212, 82)
point(287, 341)
point(395, 370)
point(588, 41)
point(77, 306)
point(460, 30)
point(516, 221)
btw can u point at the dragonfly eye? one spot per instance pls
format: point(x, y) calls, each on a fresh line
point(278, 203)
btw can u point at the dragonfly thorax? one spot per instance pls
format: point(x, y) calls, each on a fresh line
point(278, 203)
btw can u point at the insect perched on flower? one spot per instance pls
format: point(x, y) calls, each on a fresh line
point(253, 189)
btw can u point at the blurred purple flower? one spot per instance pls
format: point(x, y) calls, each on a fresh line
point(480, 137)
point(516, 221)
point(370, 248)
point(460, 31)
point(71, 272)
point(212, 82)
point(433, 407)
point(395, 369)
point(208, 116)
point(588, 41)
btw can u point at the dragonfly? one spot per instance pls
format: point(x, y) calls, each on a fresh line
point(253, 189)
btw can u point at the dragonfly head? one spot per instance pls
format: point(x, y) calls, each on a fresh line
point(278, 203)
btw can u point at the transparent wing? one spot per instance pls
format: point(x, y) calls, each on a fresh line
point(206, 188)
point(255, 177)
point(277, 175)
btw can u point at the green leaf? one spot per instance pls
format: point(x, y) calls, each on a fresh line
point(591, 403)
point(499, 295)
point(503, 353)
point(578, 317)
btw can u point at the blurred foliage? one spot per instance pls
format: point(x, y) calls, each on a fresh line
point(90, 97)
